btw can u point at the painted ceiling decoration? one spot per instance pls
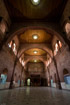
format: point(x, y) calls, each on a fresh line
point(35, 36)
point(35, 52)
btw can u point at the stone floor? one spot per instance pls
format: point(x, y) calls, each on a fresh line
point(34, 96)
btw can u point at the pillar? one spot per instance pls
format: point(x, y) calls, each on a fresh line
point(49, 76)
point(21, 76)
point(12, 77)
point(58, 79)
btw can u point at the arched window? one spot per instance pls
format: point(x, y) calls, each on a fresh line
point(13, 46)
point(66, 76)
point(10, 44)
point(67, 29)
point(60, 44)
point(2, 25)
point(57, 46)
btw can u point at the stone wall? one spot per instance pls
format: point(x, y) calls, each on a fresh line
point(66, 13)
point(7, 61)
point(35, 68)
point(63, 62)
point(4, 13)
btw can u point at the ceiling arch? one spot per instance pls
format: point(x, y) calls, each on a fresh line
point(35, 51)
point(21, 29)
point(37, 58)
point(28, 36)
point(46, 47)
point(41, 46)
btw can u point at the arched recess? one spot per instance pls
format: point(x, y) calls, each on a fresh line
point(66, 76)
point(4, 76)
point(5, 70)
point(67, 28)
point(65, 72)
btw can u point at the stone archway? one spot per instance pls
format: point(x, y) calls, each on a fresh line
point(52, 32)
point(18, 31)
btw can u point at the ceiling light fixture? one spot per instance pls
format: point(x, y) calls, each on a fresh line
point(35, 60)
point(35, 2)
point(35, 52)
point(35, 37)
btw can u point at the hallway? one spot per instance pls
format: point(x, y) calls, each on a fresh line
point(34, 96)
point(34, 52)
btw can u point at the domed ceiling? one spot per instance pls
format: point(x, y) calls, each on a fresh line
point(35, 52)
point(43, 37)
point(25, 8)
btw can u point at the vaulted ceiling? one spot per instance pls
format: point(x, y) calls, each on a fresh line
point(43, 37)
point(24, 11)
point(21, 10)
point(35, 52)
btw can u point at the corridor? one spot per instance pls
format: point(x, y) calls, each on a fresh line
point(35, 96)
point(34, 52)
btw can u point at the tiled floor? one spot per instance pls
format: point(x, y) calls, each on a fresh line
point(34, 96)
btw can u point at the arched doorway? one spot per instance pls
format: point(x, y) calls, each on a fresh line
point(28, 82)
